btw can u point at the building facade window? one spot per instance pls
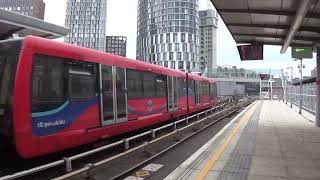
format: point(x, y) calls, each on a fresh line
point(178, 56)
point(173, 65)
point(180, 65)
point(171, 56)
point(177, 47)
point(116, 45)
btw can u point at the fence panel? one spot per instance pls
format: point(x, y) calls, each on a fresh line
point(308, 96)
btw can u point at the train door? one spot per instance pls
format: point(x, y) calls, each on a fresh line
point(198, 92)
point(121, 95)
point(172, 94)
point(113, 95)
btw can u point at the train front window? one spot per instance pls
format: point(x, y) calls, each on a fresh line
point(9, 55)
point(3, 60)
point(48, 83)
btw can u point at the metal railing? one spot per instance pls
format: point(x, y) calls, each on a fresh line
point(308, 96)
point(234, 75)
point(87, 168)
point(67, 161)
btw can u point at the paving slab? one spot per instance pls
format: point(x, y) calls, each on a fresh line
point(298, 148)
point(259, 177)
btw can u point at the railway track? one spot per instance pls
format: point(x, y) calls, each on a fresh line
point(147, 145)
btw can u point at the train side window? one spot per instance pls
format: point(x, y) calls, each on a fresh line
point(211, 90)
point(134, 84)
point(215, 90)
point(160, 83)
point(107, 91)
point(200, 88)
point(182, 87)
point(142, 84)
point(82, 80)
point(204, 86)
point(149, 85)
point(191, 88)
point(47, 85)
point(207, 88)
point(198, 91)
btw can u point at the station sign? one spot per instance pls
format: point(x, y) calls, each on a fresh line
point(264, 76)
point(302, 52)
point(250, 52)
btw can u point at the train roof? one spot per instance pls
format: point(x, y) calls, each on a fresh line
point(71, 51)
point(200, 78)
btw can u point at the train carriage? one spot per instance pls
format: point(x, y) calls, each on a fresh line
point(56, 96)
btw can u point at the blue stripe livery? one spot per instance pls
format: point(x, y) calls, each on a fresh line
point(53, 121)
point(48, 113)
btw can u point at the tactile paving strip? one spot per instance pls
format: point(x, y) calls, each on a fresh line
point(207, 152)
point(239, 162)
point(204, 154)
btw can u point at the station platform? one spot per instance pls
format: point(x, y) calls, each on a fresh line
point(268, 140)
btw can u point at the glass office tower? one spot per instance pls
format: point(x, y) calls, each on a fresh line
point(167, 33)
point(87, 22)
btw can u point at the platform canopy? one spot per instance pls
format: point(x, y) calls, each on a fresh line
point(15, 23)
point(272, 22)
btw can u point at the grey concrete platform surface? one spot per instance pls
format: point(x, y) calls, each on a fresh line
point(267, 141)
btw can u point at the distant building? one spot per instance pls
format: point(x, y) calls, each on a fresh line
point(208, 39)
point(33, 8)
point(167, 33)
point(277, 88)
point(116, 45)
point(86, 20)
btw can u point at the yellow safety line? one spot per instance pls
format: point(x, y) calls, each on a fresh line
point(205, 170)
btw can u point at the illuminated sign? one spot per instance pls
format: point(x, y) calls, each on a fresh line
point(302, 52)
point(250, 52)
point(264, 76)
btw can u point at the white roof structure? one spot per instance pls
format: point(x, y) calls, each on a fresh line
point(15, 23)
point(272, 22)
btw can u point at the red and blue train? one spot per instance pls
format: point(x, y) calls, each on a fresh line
point(55, 96)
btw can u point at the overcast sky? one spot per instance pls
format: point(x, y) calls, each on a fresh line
point(121, 20)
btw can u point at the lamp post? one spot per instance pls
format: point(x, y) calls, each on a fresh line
point(269, 85)
point(286, 76)
point(260, 96)
point(301, 66)
point(291, 85)
point(283, 80)
point(283, 86)
point(271, 89)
